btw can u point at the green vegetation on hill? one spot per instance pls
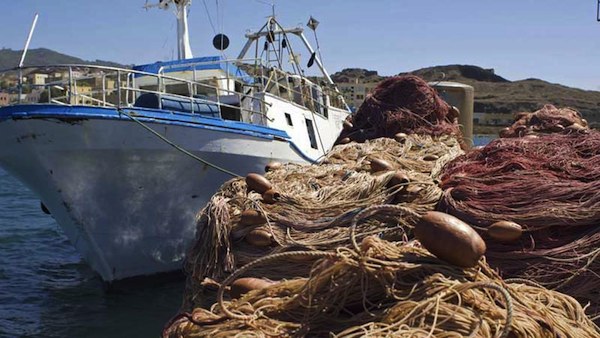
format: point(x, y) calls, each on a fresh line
point(42, 57)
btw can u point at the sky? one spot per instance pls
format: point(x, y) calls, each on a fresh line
point(554, 40)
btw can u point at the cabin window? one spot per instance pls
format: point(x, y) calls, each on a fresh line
point(311, 134)
point(288, 118)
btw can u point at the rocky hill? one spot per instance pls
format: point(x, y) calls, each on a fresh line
point(495, 94)
point(357, 73)
point(42, 57)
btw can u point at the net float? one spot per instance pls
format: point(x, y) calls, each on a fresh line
point(450, 239)
point(241, 286)
point(505, 132)
point(398, 178)
point(584, 122)
point(347, 125)
point(400, 137)
point(430, 157)
point(505, 231)
point(252, 217)
point(345, 140)
point(272, 166)
point(258, 183)
point(380, 165)
point(271, 196)
point(259, 237)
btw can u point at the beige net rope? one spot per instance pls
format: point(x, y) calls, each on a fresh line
point(389, 289)
point(316, 206)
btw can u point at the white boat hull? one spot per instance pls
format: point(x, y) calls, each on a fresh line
point(126, 199)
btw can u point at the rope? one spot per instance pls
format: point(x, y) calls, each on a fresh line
point(214, 166)
point(258, 262)
point(370, 211)
point(507, 299)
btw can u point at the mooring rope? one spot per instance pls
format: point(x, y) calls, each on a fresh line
point(197, 158)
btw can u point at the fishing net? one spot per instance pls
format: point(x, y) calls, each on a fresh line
point(401, 104)
point(299, 236)
point(549, 119)
point(315, 207)
point(550, 185)
point(386, 288)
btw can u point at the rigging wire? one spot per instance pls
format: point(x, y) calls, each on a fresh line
point(209, 17)
point(318, 47)
point(219, 25)
point(199, 159)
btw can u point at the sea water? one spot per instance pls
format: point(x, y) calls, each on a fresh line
point(46, 290)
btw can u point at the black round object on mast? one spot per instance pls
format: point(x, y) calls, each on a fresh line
point(221, 41)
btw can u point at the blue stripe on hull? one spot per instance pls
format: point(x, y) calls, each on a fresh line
point(83, 112)
point(73, 113)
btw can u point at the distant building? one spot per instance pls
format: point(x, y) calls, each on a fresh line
point(34, 96)
point(356, 91)
point(37, 79)
point(4, 99)
point(64, 75)
point(17, 97)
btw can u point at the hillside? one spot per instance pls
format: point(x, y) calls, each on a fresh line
point(42, 57)
point(495, 94)
point(357, 73)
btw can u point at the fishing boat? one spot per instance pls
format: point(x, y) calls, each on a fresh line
point(124, 158)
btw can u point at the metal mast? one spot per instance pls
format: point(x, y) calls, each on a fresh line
point(184, 51)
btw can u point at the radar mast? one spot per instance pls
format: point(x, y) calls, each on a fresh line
point(184, 51)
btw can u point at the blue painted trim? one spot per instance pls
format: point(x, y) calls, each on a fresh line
point(210, 62)
point(29, 111)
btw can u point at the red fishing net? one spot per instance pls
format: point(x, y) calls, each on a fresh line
point(401, 104)
point(549, 119)
point(550, 185)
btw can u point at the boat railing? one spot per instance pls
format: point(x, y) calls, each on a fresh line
point(235, 90)
point(301, 91)
point(92, 85)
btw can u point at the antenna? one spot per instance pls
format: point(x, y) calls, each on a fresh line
point(598, 11)
point(29, 40)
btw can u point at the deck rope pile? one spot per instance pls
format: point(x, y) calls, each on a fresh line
point(549, 119)
point(389, 289)
point(401, 104)
point(317, 205)
point(550, 185)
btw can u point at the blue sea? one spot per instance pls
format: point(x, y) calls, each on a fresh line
point(482, 139)
point(46, 290)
